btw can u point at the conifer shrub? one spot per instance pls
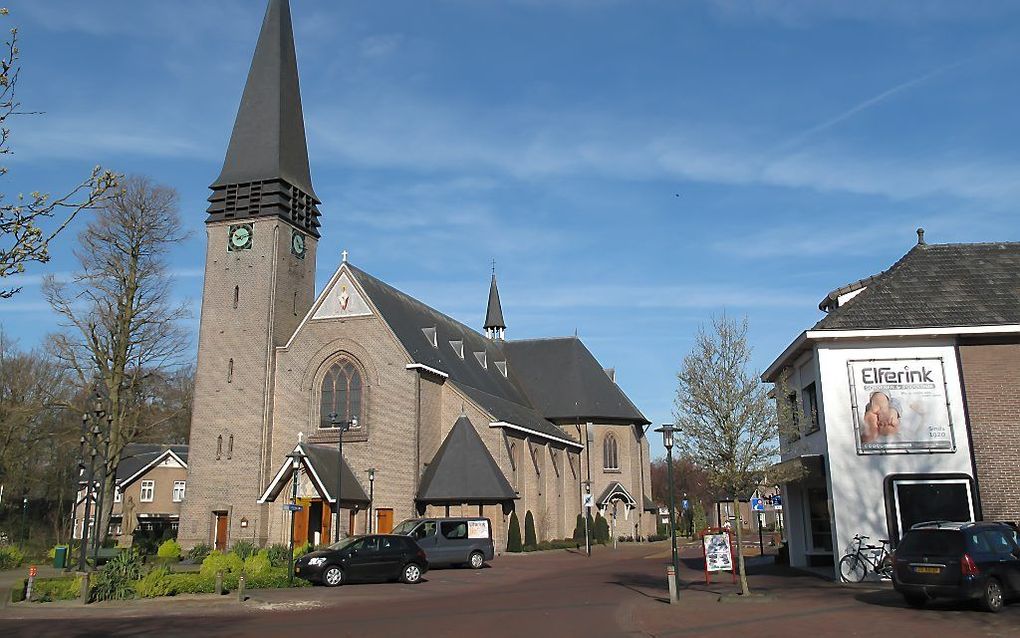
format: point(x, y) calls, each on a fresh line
point(579, 529)
point(530, 537)
point(513, 539)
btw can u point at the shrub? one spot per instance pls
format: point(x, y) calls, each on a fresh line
point(279, 555)
point(579, 528)
point(274, 578)
point(191, 584)
point(530, 537)
point(601, 529)
point(116, 580)
point(49, 589)
point(199, 552)
point(217, 561)
point(257, 564)
point(302, 549)
point(169, 551)
point(657, 537)
point(156, 583)
point(243, 549)
point(513, 541)
point(10, 557)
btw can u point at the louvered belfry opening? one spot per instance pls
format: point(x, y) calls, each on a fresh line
point(264, 198)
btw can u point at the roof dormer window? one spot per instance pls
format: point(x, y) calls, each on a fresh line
point(458, 347)
point(501, 365)
point(430, 334)
point(482, 361)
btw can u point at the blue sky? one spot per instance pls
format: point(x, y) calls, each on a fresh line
point(633, 167)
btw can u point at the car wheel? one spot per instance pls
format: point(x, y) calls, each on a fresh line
point(915, 600)
point(991, 597)
point(411, 574)
point(333, 576)
point(476, 560)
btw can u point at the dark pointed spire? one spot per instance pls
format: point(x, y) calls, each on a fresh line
point(266, 167)
point(495, 327)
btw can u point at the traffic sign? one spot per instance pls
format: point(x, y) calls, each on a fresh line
point(589, 500)
point(685, 504)
point(291, 507)
point(757, 504)
point(777, 500)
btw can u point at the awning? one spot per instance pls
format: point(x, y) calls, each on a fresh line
point(321, 462)
point(797, 468)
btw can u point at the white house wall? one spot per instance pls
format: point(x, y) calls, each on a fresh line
point(856, 482)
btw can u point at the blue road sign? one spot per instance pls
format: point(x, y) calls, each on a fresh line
point(290, 507)
point(685, 504)
point(757, 504)
point(777, 500)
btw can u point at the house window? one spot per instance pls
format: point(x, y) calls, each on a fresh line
point(928, 497)
point(794, 417)
point(430, 334)
point(116, 494)
point(481, 359)
point(501, 366)
point(458, 347)
point(810, 395)
point(610, 453)
point(341, 394)
point(148, 489)
point(178, 491)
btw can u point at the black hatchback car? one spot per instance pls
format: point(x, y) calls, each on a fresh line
point(958, 560)
point(376, 557)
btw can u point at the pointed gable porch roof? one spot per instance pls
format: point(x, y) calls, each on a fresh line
point(463, 471)
point(321, 463)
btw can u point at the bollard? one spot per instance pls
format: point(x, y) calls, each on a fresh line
point(219, 583)
point(671, 577)
point(31, 581)
point(83, 593)
point(240, 588)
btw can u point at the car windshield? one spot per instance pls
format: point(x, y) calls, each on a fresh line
point(345, 542)
point(405, 527)
point(936, 542)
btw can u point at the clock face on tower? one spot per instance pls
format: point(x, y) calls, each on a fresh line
point(297, 244)
point(239, 237)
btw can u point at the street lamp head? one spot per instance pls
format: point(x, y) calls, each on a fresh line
point(371, 474)
point(296, 457)
point(354, 421)
point(667, 434)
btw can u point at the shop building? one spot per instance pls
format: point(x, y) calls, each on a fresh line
point(902, 404)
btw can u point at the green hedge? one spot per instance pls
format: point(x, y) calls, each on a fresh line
point(45, 590)
point(159, 582)
point(565, 543)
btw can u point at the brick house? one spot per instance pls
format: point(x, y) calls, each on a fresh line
point(150, 488)
point(282, 370)
point(902, 403)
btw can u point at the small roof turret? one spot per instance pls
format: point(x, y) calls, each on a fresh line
point(495, 327)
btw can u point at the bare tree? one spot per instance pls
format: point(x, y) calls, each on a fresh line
point(23, 238)
point(121, 330)
point(728, 422)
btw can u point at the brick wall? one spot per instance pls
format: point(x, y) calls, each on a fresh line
point(991, 375)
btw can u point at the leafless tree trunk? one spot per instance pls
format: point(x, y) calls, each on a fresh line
point(23, 239)
point(121, 330)
point(728, 423)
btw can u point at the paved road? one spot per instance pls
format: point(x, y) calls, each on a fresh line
point(617, 593)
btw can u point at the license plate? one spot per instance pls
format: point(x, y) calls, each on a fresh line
point(928, 570)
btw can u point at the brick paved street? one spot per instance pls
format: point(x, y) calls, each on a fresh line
point(616, 593)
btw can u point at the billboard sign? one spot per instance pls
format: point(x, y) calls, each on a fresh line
point(900, 405)
point(718, 554)
point(478, 529)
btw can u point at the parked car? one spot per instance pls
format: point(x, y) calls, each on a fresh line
point(451, 541)
point(958, 560)
point(364, 558)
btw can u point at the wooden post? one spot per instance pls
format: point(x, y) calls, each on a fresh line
point(240, 588)
point(219, 583)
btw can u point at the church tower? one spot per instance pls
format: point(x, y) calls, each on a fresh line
point(261, 233)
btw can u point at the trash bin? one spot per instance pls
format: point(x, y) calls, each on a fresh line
point(60, 556)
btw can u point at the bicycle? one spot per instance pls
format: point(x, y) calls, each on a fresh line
point(853, 567)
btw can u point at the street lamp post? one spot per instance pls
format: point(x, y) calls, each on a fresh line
point(587, 532)
point(24, 512)
point(100, 537)
point(371, 499)
point(667, 440)
point(295, 464)
point(343, 426)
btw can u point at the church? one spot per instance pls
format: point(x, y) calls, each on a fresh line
point(362, 400)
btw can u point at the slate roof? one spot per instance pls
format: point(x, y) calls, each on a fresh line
point(494, 312)
point(268, 139)
point(323, 460)
point(136, 456)
point(565, 382)
point(541, 373)
point(463, 471)
point(938, 286)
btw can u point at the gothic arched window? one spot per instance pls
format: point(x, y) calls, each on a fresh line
point(610, 455)
point(341, 394)
point(513, 463)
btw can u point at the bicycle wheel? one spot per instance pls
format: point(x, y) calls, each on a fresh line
point(852, 568)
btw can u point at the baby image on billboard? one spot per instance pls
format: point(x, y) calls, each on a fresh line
point(899, 405)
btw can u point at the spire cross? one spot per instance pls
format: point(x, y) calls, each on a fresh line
point(494, 267)
point(344, 255)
